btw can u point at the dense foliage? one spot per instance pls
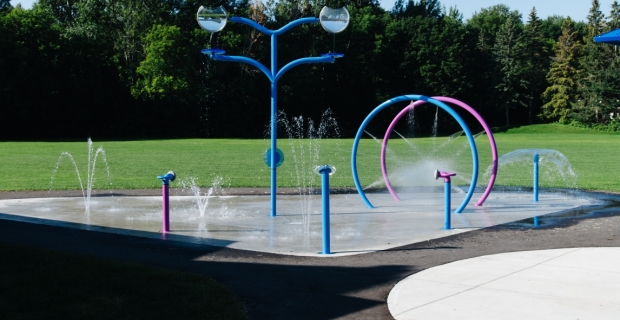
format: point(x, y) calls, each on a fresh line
point(133, 68)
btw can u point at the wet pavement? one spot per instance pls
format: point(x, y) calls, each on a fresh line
point(244, 222)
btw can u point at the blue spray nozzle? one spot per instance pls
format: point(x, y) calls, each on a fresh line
point(166, 178)
point(325, 168)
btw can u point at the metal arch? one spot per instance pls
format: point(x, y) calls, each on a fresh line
point(457, 103)
point(440, 104)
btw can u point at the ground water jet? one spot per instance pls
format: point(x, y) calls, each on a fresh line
point(202, 199)
point(90, 171)
point(304, 139)
point(555, 170)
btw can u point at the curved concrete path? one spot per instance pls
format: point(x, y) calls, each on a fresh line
point(574, 283)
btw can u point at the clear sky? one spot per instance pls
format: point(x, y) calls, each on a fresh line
point(576, 9)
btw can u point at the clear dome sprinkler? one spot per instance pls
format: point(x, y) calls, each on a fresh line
point(165, 181)
point(334, 20)
point(212, 19)
point(325, 171)
point(446, 179)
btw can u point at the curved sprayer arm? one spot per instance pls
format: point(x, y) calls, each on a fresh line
point(292, 24)
point(260, 66)
point(297, 62)
point(268, 32)
point(251, 23)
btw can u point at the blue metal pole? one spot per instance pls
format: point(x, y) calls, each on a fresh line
point(325, 171)
point(536, 177)
point(446, 220)
point(273, 76)
point(536, 222)
point(274, 120)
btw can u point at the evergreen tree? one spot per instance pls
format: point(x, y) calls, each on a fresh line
point(596, 20)
point(598, 83)
point(536, 60)
point(484, 27)
point(614, 16)
point(5, 6)
point(509, 53)
point(562, 75)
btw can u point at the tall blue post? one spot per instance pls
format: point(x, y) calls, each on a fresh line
point(325, 171)
point(447, 221)
point(274, 121)
point(274, 75)
point(536, 158)
point(446, 189)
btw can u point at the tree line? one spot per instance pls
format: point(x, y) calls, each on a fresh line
point(131, 69)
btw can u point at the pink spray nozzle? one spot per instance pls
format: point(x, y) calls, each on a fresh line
point(445, 175)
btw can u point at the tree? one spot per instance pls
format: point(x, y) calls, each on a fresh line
point(487, 23)
point(484, 27)
point(562, 75)
point(29, 70)
point(596, 20)
point(509, 54)
point(536, 60)
point(598, 84)
point(614, 16)
point(161, 73)
point(424, 8)
point(5, 6)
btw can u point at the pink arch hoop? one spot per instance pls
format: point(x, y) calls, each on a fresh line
point(461, 104)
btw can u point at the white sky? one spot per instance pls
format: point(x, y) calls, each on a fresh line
point(576, 9)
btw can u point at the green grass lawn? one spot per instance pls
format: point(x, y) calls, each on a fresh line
point(239, 163)
point(43, 284)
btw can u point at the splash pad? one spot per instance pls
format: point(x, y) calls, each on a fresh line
point(242, 221)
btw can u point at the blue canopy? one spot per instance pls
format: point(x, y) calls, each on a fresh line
point(611, 37)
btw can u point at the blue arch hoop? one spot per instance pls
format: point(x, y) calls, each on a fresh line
point(470, 138)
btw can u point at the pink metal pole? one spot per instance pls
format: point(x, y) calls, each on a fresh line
point(165, 190)
point(461, 104)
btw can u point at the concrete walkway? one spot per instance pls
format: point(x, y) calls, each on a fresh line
point(576, 283)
